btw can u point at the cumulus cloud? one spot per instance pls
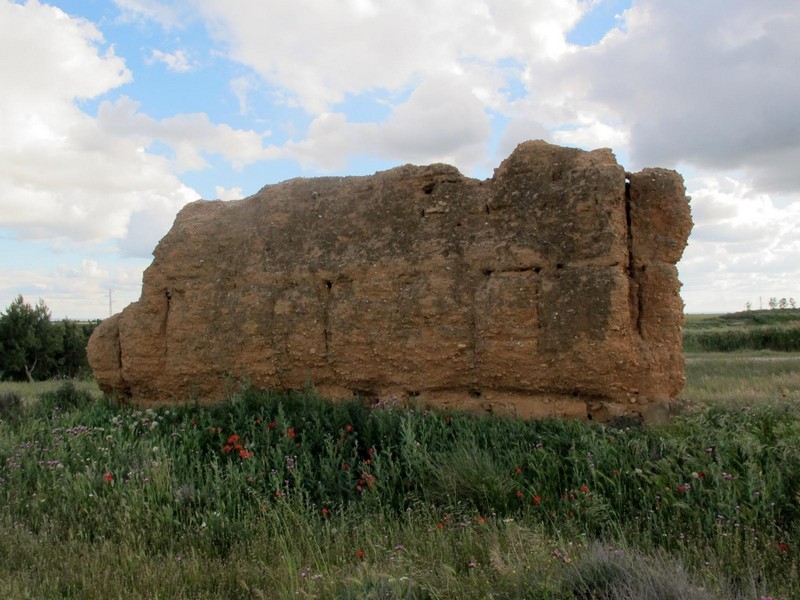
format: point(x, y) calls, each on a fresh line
point(743, 246)
point(228, 194)
point(167, 14)
point(441, 121)
point(67, 175)
point(700, 83)
point(177, 61)
point(78, 290)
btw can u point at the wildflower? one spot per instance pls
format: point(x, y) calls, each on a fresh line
point(290, 433)
point(243, 453)
point(585, 489)
point(359, 553)
point(109, 477)
point(682, 489)
point(399, 548)
point(471, 565)
point(439, 525)
point(227, 448)
point(325, 511)
point(371, 451)
point(278, 493)
point(348, 428)
point(727, 476)
point(272, 424)
point(258, 421)
point(234, 439)
point(519, 494)
point(345, 467)
point(537, 500)
point(783, 547)
point(518, 470)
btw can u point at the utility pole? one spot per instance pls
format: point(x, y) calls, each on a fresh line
point(110, 291)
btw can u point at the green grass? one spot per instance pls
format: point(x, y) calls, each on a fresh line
point(30, 392)
point(777, 330)
point(742, 378)
point(289, 496)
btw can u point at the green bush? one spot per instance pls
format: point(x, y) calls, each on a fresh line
point(777, 338)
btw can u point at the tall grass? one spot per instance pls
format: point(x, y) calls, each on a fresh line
point(278, 496)
point(782, 338)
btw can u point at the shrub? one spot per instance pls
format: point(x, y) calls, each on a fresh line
point(10, 406)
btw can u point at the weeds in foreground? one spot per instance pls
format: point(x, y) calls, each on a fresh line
point(284, 495)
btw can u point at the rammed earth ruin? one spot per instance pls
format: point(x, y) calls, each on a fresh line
point(548, 290)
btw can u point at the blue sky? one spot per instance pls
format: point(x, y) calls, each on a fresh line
point(116, 113)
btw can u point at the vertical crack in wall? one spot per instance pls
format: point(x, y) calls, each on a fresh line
point(165, 321)
point(326, 330)
point(634, 293)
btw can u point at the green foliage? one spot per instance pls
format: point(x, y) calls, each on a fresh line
point(33, 347)
point(286, 496)
point(777, 330)
point(10, 406)
point(780, 339)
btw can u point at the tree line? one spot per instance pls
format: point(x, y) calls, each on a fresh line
point(34, 347)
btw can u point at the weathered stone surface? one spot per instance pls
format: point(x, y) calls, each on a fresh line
point(548, 290)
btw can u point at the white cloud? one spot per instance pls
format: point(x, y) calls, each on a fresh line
point(742, 246)
point(441, 121)
point(190, 135)
point(75, 290)
point(702, 83)
point(167, 14)
point(228, 194)
point(177, 61)
point(67, 175)
point(321, 52)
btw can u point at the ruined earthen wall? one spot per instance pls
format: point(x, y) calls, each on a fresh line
point(548, 290)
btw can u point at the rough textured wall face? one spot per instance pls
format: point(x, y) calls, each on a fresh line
point(548, 290)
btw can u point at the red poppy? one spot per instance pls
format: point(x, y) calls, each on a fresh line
point(439, 525)
point(258, 421)
point(233, 439)
point(245, 453)
point(537, 500)
point(348, 428)
point(109, 477)
point(227, 448)
point(585, 489)
point(345, 467)
point(519, 494)
point(783, 547)
point(290, 433)
point(518, 470)
point(277, 493)
point(359, 553)
point(325, 511)
point(272, 424)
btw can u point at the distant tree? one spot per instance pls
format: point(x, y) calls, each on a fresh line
point(792, 303)
point(71, 360)
point(748, 306)
point(29, 343)
point(783, 303)
point(773, 303)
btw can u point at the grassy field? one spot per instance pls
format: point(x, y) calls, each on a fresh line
point(288, 496)
point(777, 330)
